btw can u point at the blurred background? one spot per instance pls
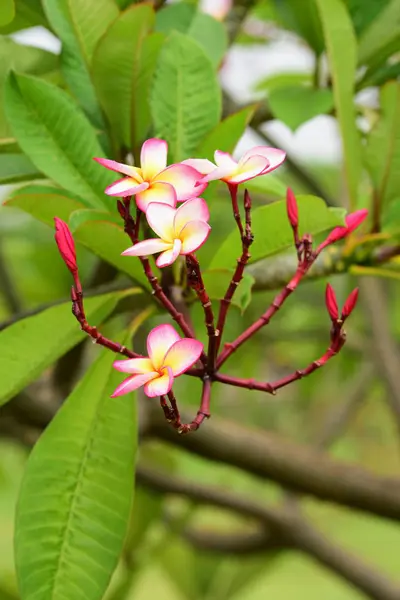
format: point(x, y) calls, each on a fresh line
point(180, 546)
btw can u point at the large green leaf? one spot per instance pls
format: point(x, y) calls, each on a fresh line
point(77, 490)
point(28, 13)
point(302, 17)
point(7, 12)
point(342, 54)
point(272, 232)
point(123, 67)
point(56, 136)
point(186, 98)
point(226, 134)
point(294, 105)
point(383, 30)
point(365, 12)
point(31, 345)
point(207, 31)
point(282, 80)
point(17, 167)
point(44, 203)
point(80, 24)
point(382, 152)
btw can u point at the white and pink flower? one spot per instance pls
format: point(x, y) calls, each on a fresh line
point(153, 181)
point(169, 356)
point(260, 160)
point(181, 231)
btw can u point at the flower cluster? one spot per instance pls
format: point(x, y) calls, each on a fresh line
point(180, 230)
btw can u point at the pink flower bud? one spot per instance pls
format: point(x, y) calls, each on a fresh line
point(291, 207)
point(66, 245)
point(350, 304)
point(331, 303)
point(353, 220)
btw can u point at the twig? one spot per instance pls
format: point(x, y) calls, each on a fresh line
point(173, 416)
point(233, 190)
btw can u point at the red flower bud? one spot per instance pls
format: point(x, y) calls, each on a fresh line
point(291, 207)
point(331, 302)
point(66, 245)
point(353, 220)
point(350, 303)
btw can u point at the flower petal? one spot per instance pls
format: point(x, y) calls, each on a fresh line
point(193, 235)
point(159, 341)
point(163, 193)
point(275, 156)
point(125, 187)
point(134, 365)
point(202, 165)
point(195, 209)
point(225, 160)
point(160, 217)
point(161, 385)
point(133, 383)
point(113, 165)
point(169, 256)
point(153, 157)
point(255, 165)
point(147, 247)
point(182, 355)
point(184, 180)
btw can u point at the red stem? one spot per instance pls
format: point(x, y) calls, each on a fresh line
point(233, 190)
point(202, 414)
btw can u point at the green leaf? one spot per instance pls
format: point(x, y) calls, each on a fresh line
point(186, 98)
point(123, 66)
point(56, 137)
point(77, 490)
point(283, 80)
point(391, 217)
point(86, 215)
point(30, 345)
point(270, 185)
point(28, 13)
point(384, 29)
point(382, 152)
point(226, 135)
point(295, 105)
point(342, 55)
point(44, 203)
point(272, 232)
point(207, 31)
point(17, 167)
point(7, 12)
point(302, 17)
point(216, 282)
point(364, 13)
point(80, 24)
point(380, 76)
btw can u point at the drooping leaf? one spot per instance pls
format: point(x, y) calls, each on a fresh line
point(80, 24)
point(383, 30)
point(364, 13)
point(283, 80)
point(295, 105)
point(226, 135)
point(342, 55)
point(186, 98)
point(216, 282)
point(44, 203)
point(7, 12)
point(30, 345)
point(376, 78)
point(382, 152)
point(17, 167)
point(77, 491)
point(56, 136)
point(302, 17)
point(123, 66)
point(272, 232)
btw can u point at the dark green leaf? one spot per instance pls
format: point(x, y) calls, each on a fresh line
point(80, 24)
point(177, 17)
point(216, 282)
point(365, 12)
point(342, 55)
point(382, 31)
point(295, 105)
point(86, 215)
point(272, 232)
point(302, 17)
point(186, 98)
point(17, 167)
point(56, 137)
point(77, 491)
point(44, 203)
point(123, 67)
point(380, 76)
point(31, 345)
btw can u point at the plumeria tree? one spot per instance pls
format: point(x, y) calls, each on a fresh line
point(125, 157)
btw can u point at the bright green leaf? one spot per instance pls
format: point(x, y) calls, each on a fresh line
point(383, 30)
point(216, 282)
point(86, 215)
point(80, 24)
point(77, 490)
point(7, 12)
point(270, 185)
point(283, 80)
point(28, 13)
point(272, 232)
point(342, 55)
point(295, 105)
point(176, 17)
point(123, 67)
point(31, 345)
point(56, 136)
point(44, 203)
point(391, 217)
point(17, 167)
point(186, 98)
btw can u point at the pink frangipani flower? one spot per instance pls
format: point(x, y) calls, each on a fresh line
point(169, 356)
point(257, 161)
point(181, 231)
point(154, 181)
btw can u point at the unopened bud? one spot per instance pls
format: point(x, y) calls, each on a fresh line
point(66, 245)
point(291, 207)
point(350, 303)
point(331, 302)
point(353, 220)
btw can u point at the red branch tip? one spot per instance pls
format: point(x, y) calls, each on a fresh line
point(66, 245)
